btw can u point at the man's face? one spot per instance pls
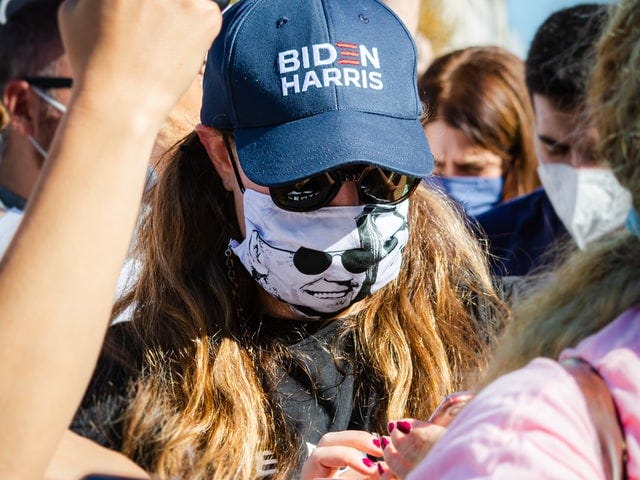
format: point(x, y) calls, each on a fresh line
point(562, 136)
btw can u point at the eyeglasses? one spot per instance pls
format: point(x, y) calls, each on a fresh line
point(49, 82)
point(40, 84)
point(375, 186)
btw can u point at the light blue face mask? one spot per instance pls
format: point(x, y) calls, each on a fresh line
point(475, 194)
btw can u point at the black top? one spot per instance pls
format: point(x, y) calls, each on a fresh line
point(317, 391)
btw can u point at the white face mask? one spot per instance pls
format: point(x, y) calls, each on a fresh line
point(59, 106)
point(53, 103)
point(323, 261)
point(589, 201)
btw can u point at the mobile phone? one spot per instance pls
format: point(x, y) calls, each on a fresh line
point(449, 407)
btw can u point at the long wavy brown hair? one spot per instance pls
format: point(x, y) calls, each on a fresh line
point(204, 406)
point(593, 287)
point(481, 91)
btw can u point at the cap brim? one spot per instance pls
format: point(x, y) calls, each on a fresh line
point(289, 152)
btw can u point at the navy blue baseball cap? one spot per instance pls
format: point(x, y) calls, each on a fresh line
point(311, 85)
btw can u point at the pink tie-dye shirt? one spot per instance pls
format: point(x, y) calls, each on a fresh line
point(533, 423)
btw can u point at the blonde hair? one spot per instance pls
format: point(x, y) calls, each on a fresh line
point(593, 287)
point(204, 404)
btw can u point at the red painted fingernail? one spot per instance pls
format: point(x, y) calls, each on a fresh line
point(384, 442)
point(391, 426)
point(380, 469)
point(404, 427)
point(376, 442)
point(368, 462)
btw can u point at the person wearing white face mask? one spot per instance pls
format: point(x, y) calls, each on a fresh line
point(580, 200)
point(586, 196)
point(35, 87)
point(35, 81)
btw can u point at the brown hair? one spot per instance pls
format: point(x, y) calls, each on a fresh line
point(204, 404)
point(481, 91)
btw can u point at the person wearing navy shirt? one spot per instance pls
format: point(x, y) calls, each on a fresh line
point(581, 201)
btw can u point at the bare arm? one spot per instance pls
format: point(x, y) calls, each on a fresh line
point(132, 59)
point(76, 457)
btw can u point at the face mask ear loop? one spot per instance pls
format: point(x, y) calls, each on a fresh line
point(34, 143)
point(50, 100)
point(233, 162)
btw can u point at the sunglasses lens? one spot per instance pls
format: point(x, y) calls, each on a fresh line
point(358, 261)
point(305, 195)
point(378, 185)
point(311, 262)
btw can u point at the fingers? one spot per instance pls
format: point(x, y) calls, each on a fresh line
point(356, 439)
point(155, 46)
point(385, 472)
point(395, 463)
point(326, 461)
point(410, 440)
point(337, 450)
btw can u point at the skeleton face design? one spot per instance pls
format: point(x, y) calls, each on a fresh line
point(340, 260)
point(311, 279)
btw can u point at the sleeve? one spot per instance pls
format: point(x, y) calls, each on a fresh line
point(530, 424)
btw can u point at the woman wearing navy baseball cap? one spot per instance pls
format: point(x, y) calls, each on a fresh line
point(295, 279)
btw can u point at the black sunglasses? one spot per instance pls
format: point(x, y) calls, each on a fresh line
point(49, 82)
point(375, 186)
point(357, 260)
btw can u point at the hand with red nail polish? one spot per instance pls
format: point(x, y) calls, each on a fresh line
point(337, 450)
point(385, 472)
point(407, 444)
point(404, 427)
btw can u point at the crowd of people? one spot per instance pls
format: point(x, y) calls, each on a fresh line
point(289, 285)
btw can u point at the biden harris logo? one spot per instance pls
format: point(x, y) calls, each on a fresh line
point(323, 65)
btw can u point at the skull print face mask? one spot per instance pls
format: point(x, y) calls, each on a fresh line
point(323, 261)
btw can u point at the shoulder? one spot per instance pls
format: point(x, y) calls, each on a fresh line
point(527, 208)
point(615, 352)
point(531, 423)
point(520, 233)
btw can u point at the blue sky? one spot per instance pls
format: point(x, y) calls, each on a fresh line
point(525, 16)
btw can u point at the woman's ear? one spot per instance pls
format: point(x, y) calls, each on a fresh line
point(214, 145)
